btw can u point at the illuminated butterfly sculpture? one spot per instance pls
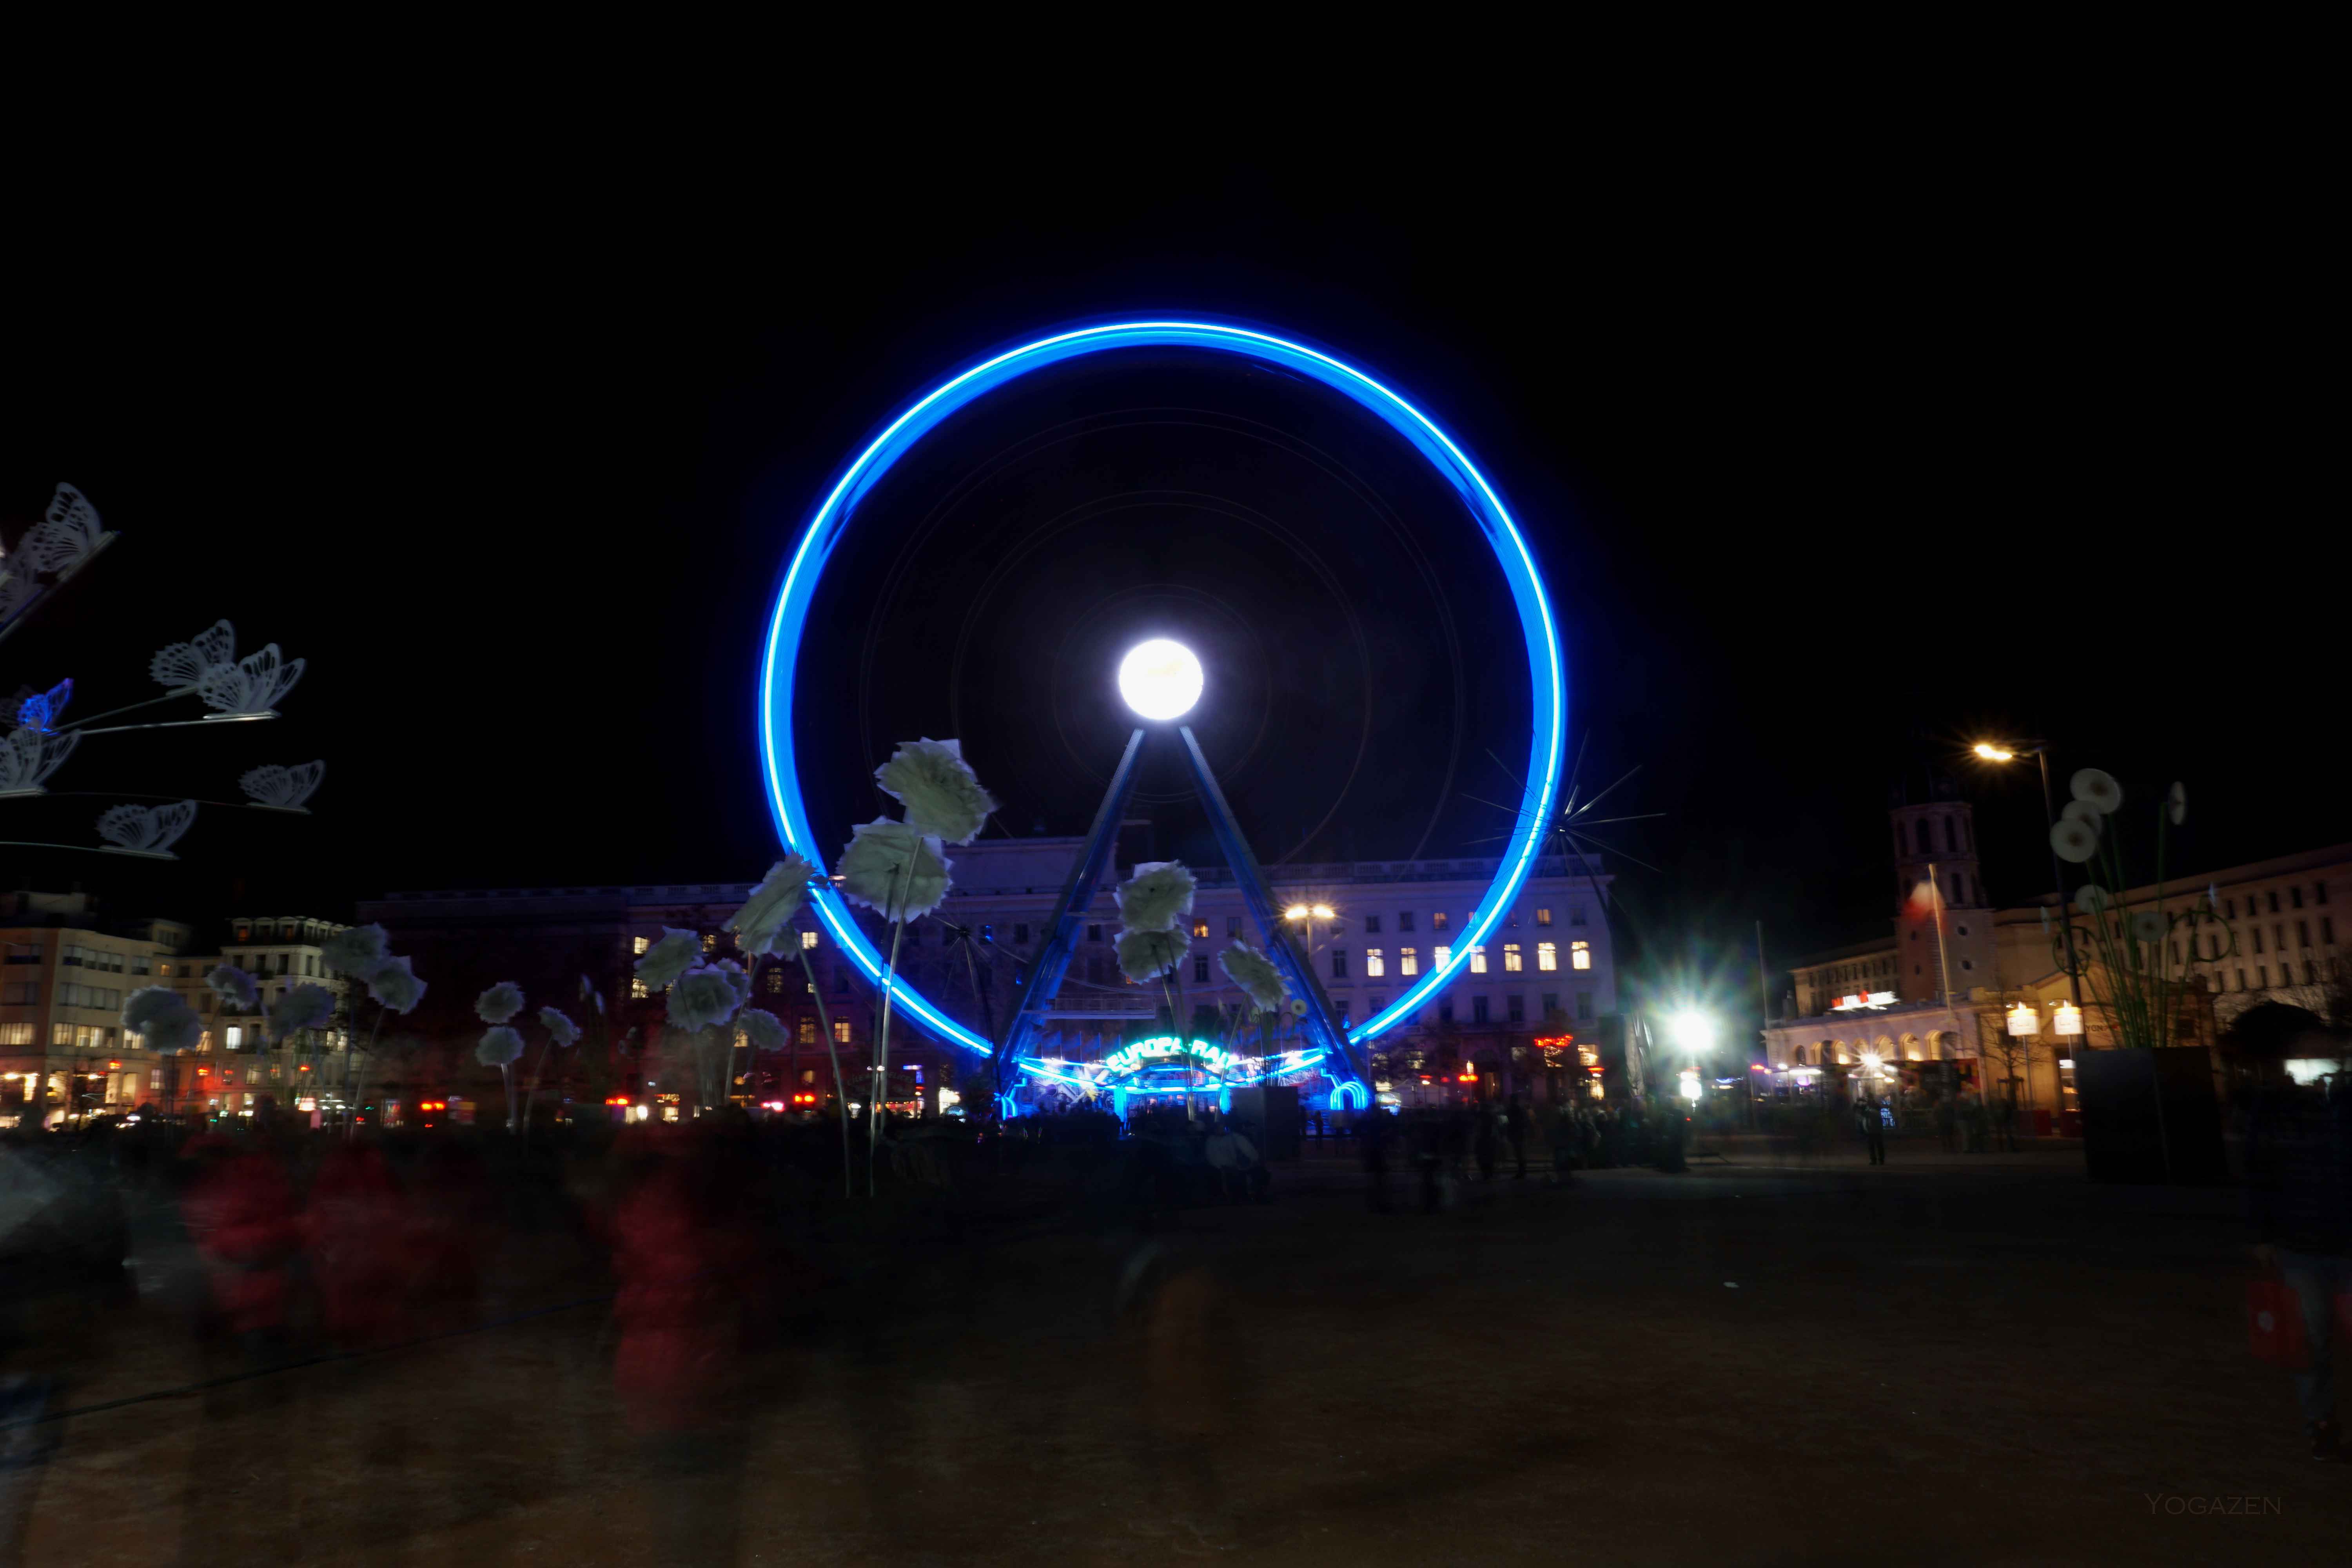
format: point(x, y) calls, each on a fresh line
point(27, 756)
point(39, 712)
point(278, 788)
point(36, 740)
point(208, 665)
point(148, 831)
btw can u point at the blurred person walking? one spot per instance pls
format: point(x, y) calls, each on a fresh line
point(2299, 1196)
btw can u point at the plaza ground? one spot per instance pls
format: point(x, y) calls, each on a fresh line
point(1951, 1360)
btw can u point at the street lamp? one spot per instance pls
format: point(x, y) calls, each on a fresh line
point(1992, 751)
point(1160, 680)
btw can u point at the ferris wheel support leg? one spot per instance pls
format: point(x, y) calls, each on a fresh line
point(1341, 1058)
point(1033, 997)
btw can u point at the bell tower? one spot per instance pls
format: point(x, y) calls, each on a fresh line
point(1943, 919)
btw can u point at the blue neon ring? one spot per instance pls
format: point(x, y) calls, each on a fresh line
point(1546, 674)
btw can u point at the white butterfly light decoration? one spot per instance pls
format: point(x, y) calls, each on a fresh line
point(147, 831)
point(274, 787)
point(207, 666)
point(28, 757)
point(61, 544)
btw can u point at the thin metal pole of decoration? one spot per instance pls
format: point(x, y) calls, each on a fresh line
point(2058, 883)
point(840, 1094)
point(882, 1044)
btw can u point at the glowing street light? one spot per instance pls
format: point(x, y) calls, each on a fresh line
point(1301, 911)
point(1693, 1030)
point(1160, 680)
point(1998, 751)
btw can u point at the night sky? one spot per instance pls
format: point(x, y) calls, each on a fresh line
point(1829, 476)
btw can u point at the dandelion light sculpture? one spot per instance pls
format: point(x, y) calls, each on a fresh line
point(764, 927)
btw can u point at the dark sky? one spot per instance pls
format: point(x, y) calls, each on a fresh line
point(1830, 472)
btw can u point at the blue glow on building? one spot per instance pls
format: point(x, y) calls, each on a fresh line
point(826, 525)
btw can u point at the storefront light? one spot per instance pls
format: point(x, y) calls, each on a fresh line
point(2067, 1021)
point(2024, 1021)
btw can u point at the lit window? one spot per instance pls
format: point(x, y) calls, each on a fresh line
point(775, 981)
point(1580, 955)
point(1440, 956)
point(1437, 921)
point(1376, 963)
point(710, 942)
point(1478, 961)
point(637, 989)
point(639, 945)
point(232, 1036)
point(1546, 956)
point(808, 940)
point(807, 1032)
point(1543, 917)
point(1512, 962)
point(1408, 960)
point(1201, 927)
point(841, 1031)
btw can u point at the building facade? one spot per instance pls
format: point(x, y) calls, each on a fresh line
point(1547, 973)
point(1970, 997)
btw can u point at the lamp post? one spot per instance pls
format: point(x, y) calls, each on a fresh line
point(1303, 916)
point(2039, 752)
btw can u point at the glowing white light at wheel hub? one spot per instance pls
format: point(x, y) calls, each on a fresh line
point(1160, 680)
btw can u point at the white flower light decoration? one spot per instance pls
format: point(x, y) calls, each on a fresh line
point(2148, 925)
point(28, 757)
point(2074, 842)
point(354, 950)
point(667, 959)
point(2175, 803)
point(273, 787)
point(763, 927)
point(765, 1029)
point(941, 794)
point(2084, 812)
point(302, 1007)
point(1254, 973)
point(394, 985)
point(592, 996)
point(892, 867)
point(499, 1047)
point(708, 995)
point(500, 1003)
point(1158, 896)
point(1146, 955)
point(234, 986)
point(146, 831)
point(149, 1003)
point(2090, 899)
point(559, 1026)
point(2098, 788)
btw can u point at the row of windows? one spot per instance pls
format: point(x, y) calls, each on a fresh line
point(305, 964)
point(90, 996)
point(1408, 959)
point(2254, 935)
point(2294, 901)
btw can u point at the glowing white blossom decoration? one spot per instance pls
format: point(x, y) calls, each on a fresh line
point(354, 950)
point(708, 995)
point(68, 534)
point(1158, 896)
point(302, 1007)
point(1299, 1007)
point(2148, 925)
point(2091, 898)
point(559, 1026)
point(252, 686)
point(765, 1029)
point(1254, 973)
point(273, 787)
point(2084, 812)
point(592, 996)
point(499, 1047)
point(148, 831)
point(2074, 842)
point(2098, 788)
point(892, 867)
point(394, 985)
point(668, 958)
point(28, 757)
point(1149, 954)
point(763, 926)
point(183, 666)
point(234, 986)
point(164, 1019)
point(500, 1003)
point(2175, 803)
point(941, 792)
